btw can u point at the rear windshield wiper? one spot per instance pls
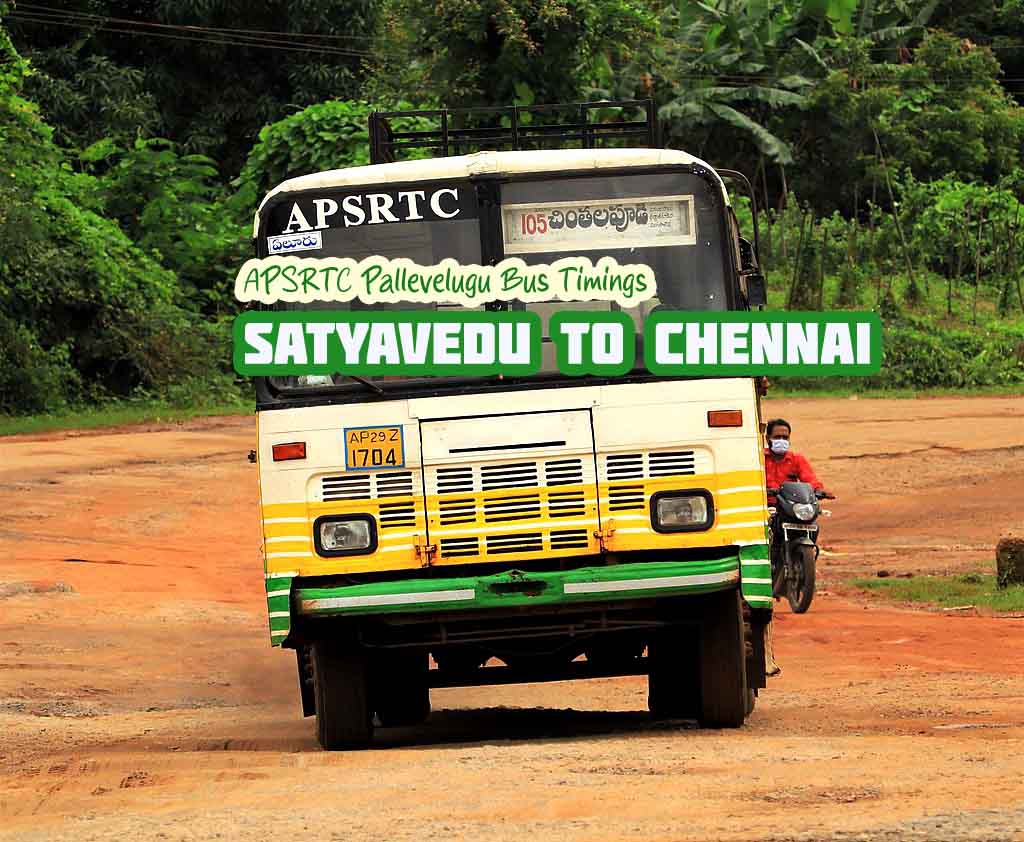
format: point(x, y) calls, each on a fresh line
point(369, 384)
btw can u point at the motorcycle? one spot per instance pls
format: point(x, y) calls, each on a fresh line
point(794, 542)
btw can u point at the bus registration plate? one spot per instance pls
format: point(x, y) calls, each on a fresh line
point(374, 448)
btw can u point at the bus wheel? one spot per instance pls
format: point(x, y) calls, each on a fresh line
point(723, 673)
point(673, 684)
point(400, 692)
point(343, 716)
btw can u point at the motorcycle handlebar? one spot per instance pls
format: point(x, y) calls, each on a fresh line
point(819, 495)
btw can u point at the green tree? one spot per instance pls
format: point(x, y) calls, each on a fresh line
point(83, 312)
point(209, 88)
point(943, 112)
point(736, 75)
point(726, 71)
point(173, 207)
point(89, 98)
point(328, 136)
point(492, 52)
point(994, 23)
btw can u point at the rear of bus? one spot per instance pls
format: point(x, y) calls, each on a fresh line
point(451, 531)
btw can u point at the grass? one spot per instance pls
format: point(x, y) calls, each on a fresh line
point(782, 391)
point(112, 416)
point(118, 414)
point(975, 589)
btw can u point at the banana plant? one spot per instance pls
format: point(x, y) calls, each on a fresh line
point(729, 68)
point(733, 64)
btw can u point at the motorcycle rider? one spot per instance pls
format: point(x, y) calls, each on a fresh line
point(783, 465)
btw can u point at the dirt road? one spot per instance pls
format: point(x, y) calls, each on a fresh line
point(139, 698)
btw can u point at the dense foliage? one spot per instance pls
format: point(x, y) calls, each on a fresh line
point(493, 52)
point(327, 136)
point(84, 311)
point(883, 137)
point(207, 73)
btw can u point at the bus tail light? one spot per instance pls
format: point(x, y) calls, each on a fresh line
point(725, 418)
point(292, 450)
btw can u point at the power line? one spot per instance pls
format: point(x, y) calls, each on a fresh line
point(55, 11)
point(42, 9)
point(255, 39)
point(262, 44)
point(104, 24)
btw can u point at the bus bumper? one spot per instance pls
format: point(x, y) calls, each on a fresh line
point(515, 588)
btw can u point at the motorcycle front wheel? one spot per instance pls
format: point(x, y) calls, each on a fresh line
point(800, 587)
point(778, 579)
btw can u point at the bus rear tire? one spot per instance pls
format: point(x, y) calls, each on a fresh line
point(343, 716)
point(723, 662)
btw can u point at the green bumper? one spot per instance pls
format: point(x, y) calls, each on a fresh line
point(515, 588)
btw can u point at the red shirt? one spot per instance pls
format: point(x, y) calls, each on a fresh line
point(792, 467)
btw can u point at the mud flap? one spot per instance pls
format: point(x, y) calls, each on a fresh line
point(305, 665)
point(757, 664)
point(755, 623)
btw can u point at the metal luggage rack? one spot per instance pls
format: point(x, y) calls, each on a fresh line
point(464, 130)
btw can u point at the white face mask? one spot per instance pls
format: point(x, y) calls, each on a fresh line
point(779, 446)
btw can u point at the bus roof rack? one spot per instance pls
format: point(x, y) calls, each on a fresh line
point(514, 127)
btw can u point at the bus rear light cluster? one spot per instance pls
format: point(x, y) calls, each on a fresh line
point(725, 418)
point(291, 450)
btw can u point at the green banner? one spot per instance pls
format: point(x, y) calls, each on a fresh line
point(412, 343)
point(762, 343)
point(602, 344)
point(424, 343)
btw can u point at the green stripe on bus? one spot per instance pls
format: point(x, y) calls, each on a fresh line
point(756, 589)
point(513, 588)
point(753, 552)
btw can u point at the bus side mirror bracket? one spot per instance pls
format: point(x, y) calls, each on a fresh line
point(748, 261)
point(750, 274)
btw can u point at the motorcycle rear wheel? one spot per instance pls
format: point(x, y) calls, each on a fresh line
point(800, 586)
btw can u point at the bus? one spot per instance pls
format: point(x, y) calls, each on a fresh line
point(428, 532)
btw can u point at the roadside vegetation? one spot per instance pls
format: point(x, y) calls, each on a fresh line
point(960, 591)
point(116, 414)
point(883, 139)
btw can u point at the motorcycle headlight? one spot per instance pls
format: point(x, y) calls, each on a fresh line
point(674, 512)
point(804, 511)
point(345, 536)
